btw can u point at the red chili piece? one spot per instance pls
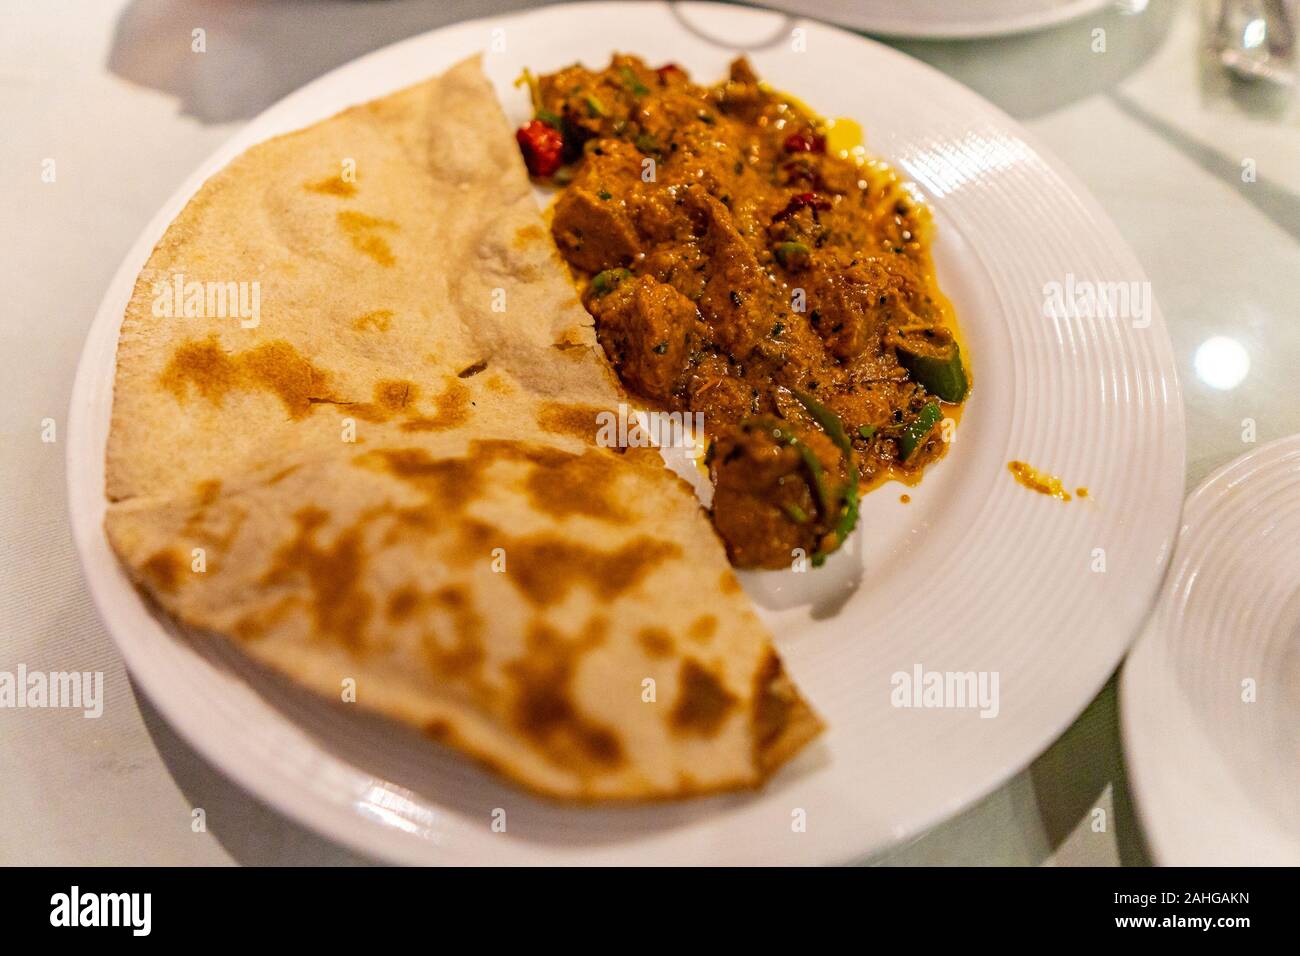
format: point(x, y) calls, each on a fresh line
point(801, 143)
point(799, 201)
point(542, 146)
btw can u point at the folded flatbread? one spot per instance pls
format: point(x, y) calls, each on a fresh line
point(354, 430)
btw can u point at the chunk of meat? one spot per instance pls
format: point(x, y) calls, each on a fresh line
point(712, 386)
point(737, 299)
point(765, 504)
point(851, 308)
point(648, 330)
point(593, 229)
point(741, 96)
point(799, 221)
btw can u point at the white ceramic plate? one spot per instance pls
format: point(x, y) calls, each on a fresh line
point(1216, 773)
point(976, 574)
point(943, 19)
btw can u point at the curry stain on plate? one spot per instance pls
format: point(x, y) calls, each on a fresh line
point(1041, 482)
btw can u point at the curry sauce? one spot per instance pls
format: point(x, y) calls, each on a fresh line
point(738, 265)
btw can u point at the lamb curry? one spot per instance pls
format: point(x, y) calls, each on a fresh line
point(738, 267)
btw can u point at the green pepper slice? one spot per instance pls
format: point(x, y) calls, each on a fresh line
point(794, 256)
point(631, 83)
point(826, 496)
point(918, 429)
point(848, 510)
point(830, 422)
point(848, 518)
point(606, 281)
point(795, 513)
point(933, 359)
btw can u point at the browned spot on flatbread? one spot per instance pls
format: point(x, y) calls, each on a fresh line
point(332, 572)
point(543, 708)
point(391, 397)
point(488, 450)
point(164, 569)
point(776, 703)
point(546, 568)
point(499, 384)
point(206, 367)
point(450, 482)
point(207, 492)
point(452, 410)
point(655, 641)
point(584, 484)
point(453, 651)
point(213, 527)
point(729, 583)
point(376, 320)
point(403, 602)
point(465, 652)
point(469, 371)
point(703, 628)
point(771, 708)
point(577, 421)
point(395, 394)
point(363, 231)
point(276, 367)
point(702, 701)
point(481, 539)
point(332, 186)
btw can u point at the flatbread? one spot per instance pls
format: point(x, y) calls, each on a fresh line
point(390, 474)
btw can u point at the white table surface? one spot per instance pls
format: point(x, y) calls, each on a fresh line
point(110, 91)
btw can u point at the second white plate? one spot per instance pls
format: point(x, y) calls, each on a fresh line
point(943, 19)
point(1210, 697)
